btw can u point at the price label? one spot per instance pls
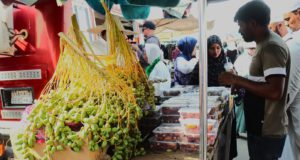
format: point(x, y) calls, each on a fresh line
point(20, 75)
point(21, 97)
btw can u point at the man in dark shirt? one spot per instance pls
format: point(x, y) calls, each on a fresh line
point(266, 85)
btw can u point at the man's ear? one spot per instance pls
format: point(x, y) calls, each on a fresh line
point(252, 23)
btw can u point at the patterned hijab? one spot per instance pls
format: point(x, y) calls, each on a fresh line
point(215, 65)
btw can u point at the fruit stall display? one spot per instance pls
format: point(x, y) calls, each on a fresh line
point(90, 102)
point(182, 133)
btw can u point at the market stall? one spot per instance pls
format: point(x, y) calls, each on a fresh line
point(77, 133)
point(178, 128)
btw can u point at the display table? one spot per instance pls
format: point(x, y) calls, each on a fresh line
point(220, 123)
point(168, 156)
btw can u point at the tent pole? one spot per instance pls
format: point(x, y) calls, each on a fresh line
point(203, 78)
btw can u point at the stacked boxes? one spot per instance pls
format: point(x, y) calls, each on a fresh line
point(166, 137)
point(181, 122)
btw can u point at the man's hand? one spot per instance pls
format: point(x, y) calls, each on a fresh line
point(227, 78)
point(272, 89)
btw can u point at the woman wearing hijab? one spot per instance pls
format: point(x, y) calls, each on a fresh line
point(157, 70)
point(185, 64)
point(216, 60)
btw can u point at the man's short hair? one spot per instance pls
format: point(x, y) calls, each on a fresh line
point(255, 10)
point(149, 25)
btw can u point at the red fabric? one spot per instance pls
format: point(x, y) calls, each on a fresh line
point(41, 48)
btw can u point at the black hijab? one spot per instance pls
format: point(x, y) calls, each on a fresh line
point(215, 65)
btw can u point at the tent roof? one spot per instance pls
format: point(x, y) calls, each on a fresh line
point(186, 24)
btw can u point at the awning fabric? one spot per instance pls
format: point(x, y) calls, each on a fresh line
point(186, 24)
point(133, 9)
point(158, 3)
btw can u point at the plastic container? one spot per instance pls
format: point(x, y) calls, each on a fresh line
point(215, 105)
point(190, 125)
point(162, 145)
point(211, 138)
point(212, 113)
point(189, 112)
point(211, 125)
point(170, 118)
point(189, 147)
point(181, 100)
point(168, 132)
point(171, 109)
point(192, 138)
point(171, 92)
point(213, 102)
point(215, 91)
point(215, 113)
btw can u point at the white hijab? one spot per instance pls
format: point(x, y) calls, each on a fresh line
point(153, 52)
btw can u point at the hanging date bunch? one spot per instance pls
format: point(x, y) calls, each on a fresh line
point(86, 103)
point(125, 64)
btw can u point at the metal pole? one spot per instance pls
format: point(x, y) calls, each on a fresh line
point(203, 78)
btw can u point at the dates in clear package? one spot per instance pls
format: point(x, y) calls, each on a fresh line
point(170, 118)
point(191, 126)
point(211, 138)
point(170, 109)
point(189, 147)
point(189, 112)
point(192, 138)
point(168, 132)
point(162, 145)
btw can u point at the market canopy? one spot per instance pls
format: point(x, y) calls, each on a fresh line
point(122, 24)
point(186, 24)
point(133, 9)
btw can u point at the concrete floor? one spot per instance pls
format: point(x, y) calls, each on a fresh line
point(242, 149)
